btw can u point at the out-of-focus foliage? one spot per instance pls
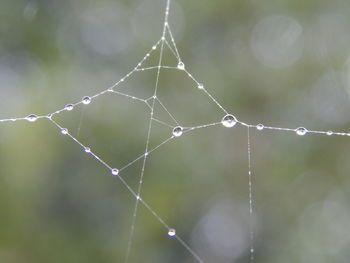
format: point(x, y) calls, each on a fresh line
point(282, 63)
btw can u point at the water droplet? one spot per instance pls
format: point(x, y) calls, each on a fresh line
point(181, 65)
point(154, 47)
point(87, 150)
point(69, 107)
point(200, 86)
point(86, 100)
point(252, 250)
point(115, 171)
point(330, 133)
point(171, 232)
point(138, 197)
point(301, 131)
point(64, 131)
point(31, 117)
point(177, 131)
point(229, 121)
point(260, 127)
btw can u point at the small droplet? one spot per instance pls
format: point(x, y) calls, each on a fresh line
point(181, 65)
point(229, 121)
point(115, 171)
point(252, 250)
point(330, 133)
point(69, 107)
point(138, 197)
point(64, 131)
point(87, 150)
point(32, 118)
point(171, 232)
point(86, 100)
point(301, 131)
point(177, 131)
point(260, 127)
point(200, 86)
point(154, 47)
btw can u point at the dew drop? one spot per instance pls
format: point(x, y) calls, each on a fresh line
point(181, 65)
point(200, 86)
point(229, 121)
point(177, 131)
point(87, 150)
point(260, 127)
point(32, 118)
point(154, 47)
point(69, 107)
point(171, 232)
point(86, 100)
point(301, 131)
point(115, 171)
point(330, 133)
point(64, 131)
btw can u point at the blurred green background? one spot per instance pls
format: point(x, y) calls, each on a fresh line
point(282, 63)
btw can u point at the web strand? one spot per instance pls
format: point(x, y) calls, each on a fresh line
point(150, 103)
point(250, 191)
point(132, 230)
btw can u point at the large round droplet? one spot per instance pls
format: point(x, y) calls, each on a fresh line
point(260, 127)
point(115, 171)
point(229, 121)
point(301, 131)
point(171, 232)
point(31, 117)
point(69, 107)
point(181, 65)
point(177, 131)
point(86, 100)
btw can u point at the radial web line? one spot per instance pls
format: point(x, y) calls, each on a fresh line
point(171, 49)
point(128, 96)
point(132, 229)
point(171, 115)
point(173, 41)
point(163, 123)
point(250, 191)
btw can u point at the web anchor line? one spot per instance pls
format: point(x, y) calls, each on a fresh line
point(228, 121)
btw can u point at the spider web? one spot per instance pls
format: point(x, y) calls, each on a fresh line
point(158, 113)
